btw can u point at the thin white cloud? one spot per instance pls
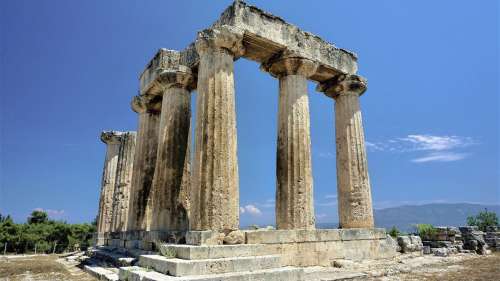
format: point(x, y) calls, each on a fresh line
point(438, 148)
point(251, 210)
point(373, 146)
point(436, 143)
point(441, 157)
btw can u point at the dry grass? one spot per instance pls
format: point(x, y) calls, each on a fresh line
point(39, 268)
point(477, 269)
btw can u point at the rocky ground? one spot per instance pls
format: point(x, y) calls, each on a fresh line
point(39, 268)
point(454, 268)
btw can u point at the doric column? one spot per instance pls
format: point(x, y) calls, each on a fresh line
point(170, 196)
point(112, 141)
point(123, 182)
point(353, 183)
point(215, 182)
point(294, 191)
point(148, 108)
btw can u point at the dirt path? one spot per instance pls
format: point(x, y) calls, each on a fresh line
point(39, 268)
point(482, 268)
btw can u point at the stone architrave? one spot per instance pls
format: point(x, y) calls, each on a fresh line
point(353, 182)
point(148, 108)
point(123, 182)
point(112, 141)
point(170, 195)
point(215, 182)
point(294, 190)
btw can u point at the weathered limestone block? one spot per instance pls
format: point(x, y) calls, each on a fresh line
point(294, 191)
point(410, 243)
point(312, 235)
point(353, 183)
point(323, 247)
point(148, 108)
point(215, 182)
point(123, 182)
point(112, 140)
point(235, 237)
point(474, 239)
point(206, 237)
point(267, 35)
point(440, 252)
point(170, 194)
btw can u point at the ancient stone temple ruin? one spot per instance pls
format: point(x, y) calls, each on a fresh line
point(158, 195)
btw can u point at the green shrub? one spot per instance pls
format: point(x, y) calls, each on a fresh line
point(426, 231)
point(394, 232)
point(483, 220)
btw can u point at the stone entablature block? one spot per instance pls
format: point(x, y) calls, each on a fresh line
point(248, 31)
point(164, 70)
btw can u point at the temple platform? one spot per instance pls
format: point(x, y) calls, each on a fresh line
point(275, 254)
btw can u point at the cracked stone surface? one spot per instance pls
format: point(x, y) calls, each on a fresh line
point(353, 182)
point(148, 109)
point(123, 182)
point(112, 141)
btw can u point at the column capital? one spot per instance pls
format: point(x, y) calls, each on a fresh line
point(146, 103)
point(290, 64)
point(111, 137)
point(177, 78)
point(224, 37)
point(163, 71)
point(343, 84)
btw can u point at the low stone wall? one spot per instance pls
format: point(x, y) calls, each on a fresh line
point(319, 247)
point(445, 241)
point(474, 239)
point(492, 237)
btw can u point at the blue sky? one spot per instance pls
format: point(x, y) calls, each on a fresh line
point(70, 68)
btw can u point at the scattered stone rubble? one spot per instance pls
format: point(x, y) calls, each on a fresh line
point(474, 240)
point(450, 240)
point(445, 241)
point(410, 244)
point(492, 237)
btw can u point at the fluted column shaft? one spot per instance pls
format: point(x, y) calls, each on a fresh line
point(294, 190)
point(123, 182)
point(148, 109)
point(170, 195)
point(215, 183)
point(353, 182)
point(112, 141)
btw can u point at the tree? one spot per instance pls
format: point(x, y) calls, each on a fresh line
point(38, 216)
point(483, 220)
point(43, 234)
point(394, 232)
point(9, 232)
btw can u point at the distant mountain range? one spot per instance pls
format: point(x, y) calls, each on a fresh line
point(404, 217)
